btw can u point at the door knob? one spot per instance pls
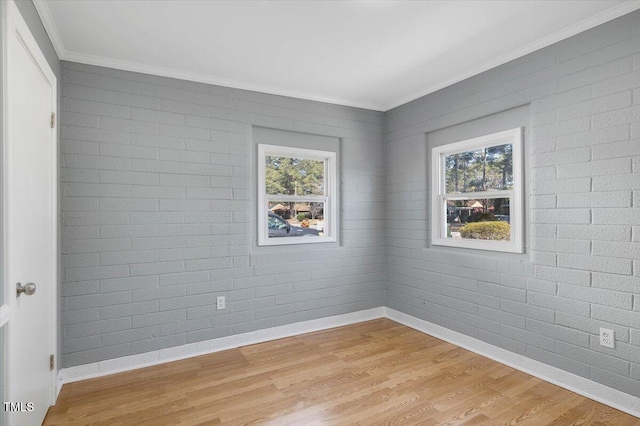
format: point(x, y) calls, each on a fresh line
point(28, 289)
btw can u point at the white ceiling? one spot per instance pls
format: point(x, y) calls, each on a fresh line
point(369, 54)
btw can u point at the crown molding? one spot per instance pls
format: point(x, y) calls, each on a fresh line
point(66, 55)
point(50, 27)
point(208, 79)
point(594, 21)
point(47, 20)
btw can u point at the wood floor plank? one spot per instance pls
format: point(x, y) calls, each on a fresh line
point(375, 372)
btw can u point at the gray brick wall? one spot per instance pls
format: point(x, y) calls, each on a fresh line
point(157, 190)
point(156, 186)
point(581, 270)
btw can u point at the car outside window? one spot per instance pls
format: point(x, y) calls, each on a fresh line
point(297, 195)
point(276, 223)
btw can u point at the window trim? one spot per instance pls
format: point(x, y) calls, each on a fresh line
point(330, 198)
point(439, 194)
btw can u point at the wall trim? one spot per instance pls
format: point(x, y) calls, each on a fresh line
point(585, 387)
point(584, 25)
point(5, 314)
point(213, 80)
point(66, 55)
point(59, 384)
point(50, 27)
point(147, 359)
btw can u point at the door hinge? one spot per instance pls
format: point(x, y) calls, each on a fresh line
point(51, 363)
point(53, 120)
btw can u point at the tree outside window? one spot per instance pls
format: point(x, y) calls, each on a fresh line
point(477, 192)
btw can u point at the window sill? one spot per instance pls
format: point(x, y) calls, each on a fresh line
point(480, 245)
point(296, 241)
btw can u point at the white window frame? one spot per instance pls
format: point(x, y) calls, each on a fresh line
point(330, 198)
point(439, 194)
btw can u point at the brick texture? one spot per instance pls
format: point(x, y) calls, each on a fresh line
point(157, 182)
point(156, 185)
point(579, 272)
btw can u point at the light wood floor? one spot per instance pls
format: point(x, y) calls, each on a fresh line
point(376, 372)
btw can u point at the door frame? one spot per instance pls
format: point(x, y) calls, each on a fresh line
point(15, 24)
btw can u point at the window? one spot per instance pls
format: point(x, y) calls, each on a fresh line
point(297, 195)
point(477, 193)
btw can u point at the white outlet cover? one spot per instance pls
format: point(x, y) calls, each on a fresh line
point(607, 338)
point(221, 302)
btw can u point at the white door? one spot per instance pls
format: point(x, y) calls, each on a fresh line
point(30, 191)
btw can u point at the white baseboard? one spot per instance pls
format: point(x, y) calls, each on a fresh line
point(585, 387)
point(133, 362)
point(606, 395)
point(59, 384)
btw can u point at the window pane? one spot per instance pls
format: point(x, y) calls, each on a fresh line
point(483, 219)
point(294, 176)
point(480, 170)
point(301, 219)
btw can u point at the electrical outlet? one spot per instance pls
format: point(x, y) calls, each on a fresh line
point(222, 302)
point(607, 338)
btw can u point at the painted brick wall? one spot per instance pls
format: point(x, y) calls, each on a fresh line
point(156, 189)
point(582, 266)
